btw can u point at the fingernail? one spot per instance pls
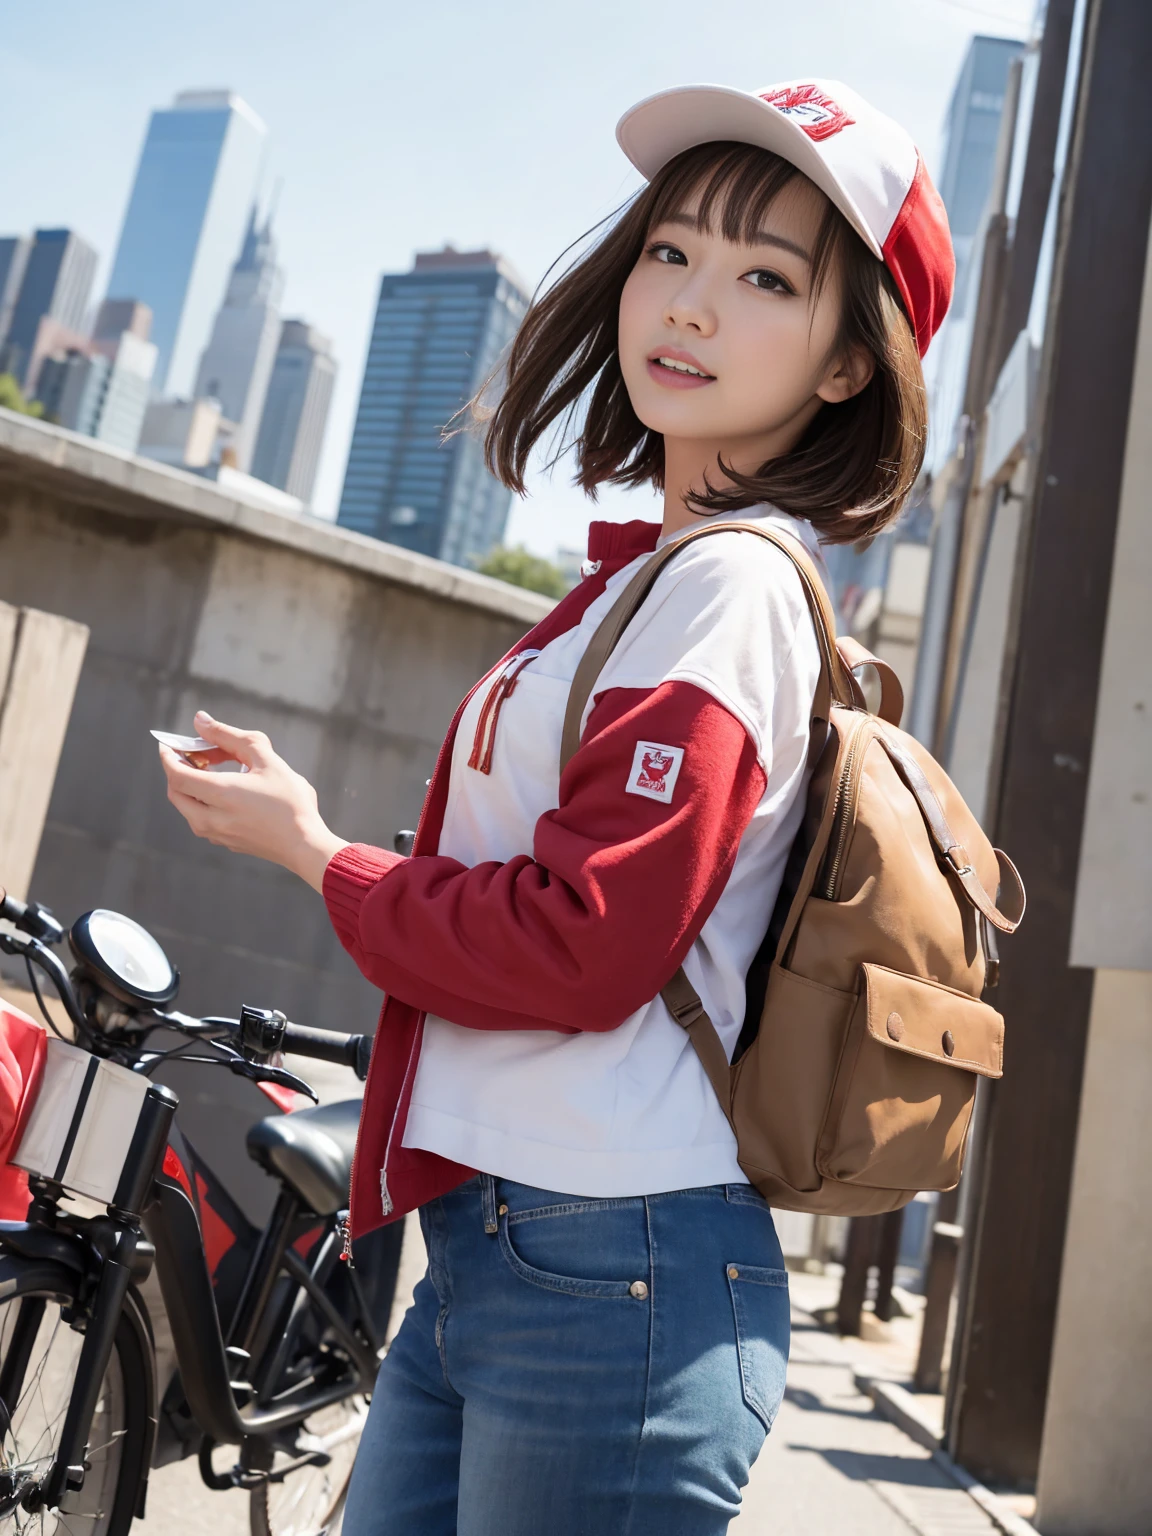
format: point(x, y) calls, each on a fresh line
point(202, 714)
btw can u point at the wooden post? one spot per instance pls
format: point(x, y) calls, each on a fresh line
point(859, 1256)
point(890, 1226)
point(40, 659)
point(999, 1380)
point(938, 1286)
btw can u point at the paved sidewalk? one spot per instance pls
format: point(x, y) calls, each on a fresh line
point(833, 1465)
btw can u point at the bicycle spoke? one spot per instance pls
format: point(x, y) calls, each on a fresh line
point(36, 1422)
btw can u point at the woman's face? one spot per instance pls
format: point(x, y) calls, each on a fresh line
point(723, 343)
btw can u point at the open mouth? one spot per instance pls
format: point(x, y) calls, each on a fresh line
point(675, 365)
point(678, 370)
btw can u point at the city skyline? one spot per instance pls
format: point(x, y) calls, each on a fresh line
point(379, 164)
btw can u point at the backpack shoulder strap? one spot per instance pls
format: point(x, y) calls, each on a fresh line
point(836, 683)
point(835, 679)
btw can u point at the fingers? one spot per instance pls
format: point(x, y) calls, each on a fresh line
point(192, 783)
point(198, 815)
point(252, 748)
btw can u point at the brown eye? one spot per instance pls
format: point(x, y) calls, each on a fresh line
point(768, 282)
point(671, 255)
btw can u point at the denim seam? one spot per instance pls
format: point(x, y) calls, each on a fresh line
point(439, 1270)
point(633, 1501)
point(541, 1212)
point(738, 1196)
point(709, 1192)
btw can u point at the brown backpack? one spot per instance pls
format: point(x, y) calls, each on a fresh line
point(855, 1075)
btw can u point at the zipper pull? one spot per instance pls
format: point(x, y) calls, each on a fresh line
point(344, 1227)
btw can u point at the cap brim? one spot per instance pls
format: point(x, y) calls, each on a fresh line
point(660, 127)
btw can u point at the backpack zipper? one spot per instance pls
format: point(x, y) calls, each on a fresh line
point(844, 808)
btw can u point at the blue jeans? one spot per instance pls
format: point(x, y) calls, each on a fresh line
point(570, 1365)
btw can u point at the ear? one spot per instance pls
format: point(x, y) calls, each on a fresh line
point(847, 376)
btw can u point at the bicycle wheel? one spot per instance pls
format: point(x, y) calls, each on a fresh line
point(38, 1357)
point(310, 1498)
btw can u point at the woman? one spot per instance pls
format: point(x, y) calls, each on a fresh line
point(599, 1344)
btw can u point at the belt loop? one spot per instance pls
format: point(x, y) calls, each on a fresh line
point(488, 1202)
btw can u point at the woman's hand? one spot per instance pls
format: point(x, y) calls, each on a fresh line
point(269, 812)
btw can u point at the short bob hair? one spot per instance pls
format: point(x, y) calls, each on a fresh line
point(854, 467)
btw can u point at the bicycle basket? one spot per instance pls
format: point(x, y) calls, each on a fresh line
point(81, 1128)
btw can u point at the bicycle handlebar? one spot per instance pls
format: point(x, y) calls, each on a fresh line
point(326, 1045)
point(31, 918)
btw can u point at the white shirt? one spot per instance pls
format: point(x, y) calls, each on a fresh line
point(630, 1111)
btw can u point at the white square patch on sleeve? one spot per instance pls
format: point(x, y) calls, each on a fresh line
point(655, 769)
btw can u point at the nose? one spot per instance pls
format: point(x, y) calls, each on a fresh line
point(689, 308)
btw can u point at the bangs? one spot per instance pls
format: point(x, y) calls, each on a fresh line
point(730, 189)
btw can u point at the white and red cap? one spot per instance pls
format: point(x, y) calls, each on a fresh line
point(865, 163)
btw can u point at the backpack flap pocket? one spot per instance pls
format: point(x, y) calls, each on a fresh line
point(902, 1101)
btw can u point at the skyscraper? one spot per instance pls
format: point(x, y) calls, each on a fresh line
point(439, 332)
point(971, 130)
point(296, 411)
point(185, 222)
point(237, 362)
point(14, 251)
point(56, 286)
point(102, 392)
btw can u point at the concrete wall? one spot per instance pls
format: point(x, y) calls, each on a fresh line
point(351, 654)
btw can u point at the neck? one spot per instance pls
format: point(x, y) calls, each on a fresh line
point(688, 460)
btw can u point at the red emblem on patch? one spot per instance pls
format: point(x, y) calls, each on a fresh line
point(818, 115)
point(655, 769)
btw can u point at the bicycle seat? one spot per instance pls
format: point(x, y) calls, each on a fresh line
point(311, 1150)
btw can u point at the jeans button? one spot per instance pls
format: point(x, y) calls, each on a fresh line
point(638, 1289)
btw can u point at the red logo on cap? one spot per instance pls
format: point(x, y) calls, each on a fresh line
point(818, 115)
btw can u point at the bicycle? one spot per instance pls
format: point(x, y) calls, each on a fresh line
point(276, 1341)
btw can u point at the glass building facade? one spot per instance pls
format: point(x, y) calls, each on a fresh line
point(971, 131)
point(56, 284)
point(439, 331)
point(296, 411)
point(185, 223)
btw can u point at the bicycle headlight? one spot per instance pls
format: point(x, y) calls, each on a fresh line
point(123, 957)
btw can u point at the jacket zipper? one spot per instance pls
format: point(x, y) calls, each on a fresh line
point(844, 809)
point(502, 689)
point(386, 1200)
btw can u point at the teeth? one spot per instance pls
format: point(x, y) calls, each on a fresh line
point(678, 367)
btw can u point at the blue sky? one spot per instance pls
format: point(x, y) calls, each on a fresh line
point(396, 127)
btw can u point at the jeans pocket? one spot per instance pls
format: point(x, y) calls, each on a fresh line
point(545, 1246)
point(760, 1306)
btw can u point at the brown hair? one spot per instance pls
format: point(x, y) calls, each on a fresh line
point(849, 474)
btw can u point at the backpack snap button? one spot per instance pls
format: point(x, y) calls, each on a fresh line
point(895, 1026)
point(949, 1043)
point(638, 1289)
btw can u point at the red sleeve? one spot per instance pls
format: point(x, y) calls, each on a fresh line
point(589, 928)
